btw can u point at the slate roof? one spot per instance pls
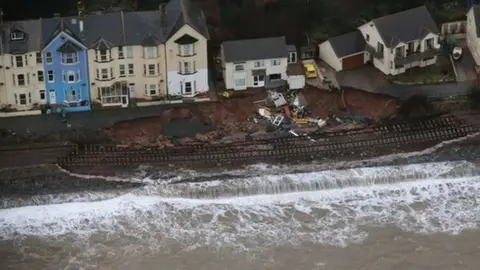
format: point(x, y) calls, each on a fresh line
point(348, 44)
point(476, 16)
point(254, 49)
point(405, 26)
point(32, 41)
point(109, 29)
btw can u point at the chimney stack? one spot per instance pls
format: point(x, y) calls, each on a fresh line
point(81, 15)
point(80, 8)
point(163, 19)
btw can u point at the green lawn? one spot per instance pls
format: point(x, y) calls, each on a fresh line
point(440, 72)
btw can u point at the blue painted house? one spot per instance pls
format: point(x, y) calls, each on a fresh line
point(65, 65)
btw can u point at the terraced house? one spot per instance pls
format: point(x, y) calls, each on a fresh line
point(65, 65)
point(151, 55)
point(22, 80)
point(112, 59)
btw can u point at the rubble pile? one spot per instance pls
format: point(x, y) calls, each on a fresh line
point(252, 115)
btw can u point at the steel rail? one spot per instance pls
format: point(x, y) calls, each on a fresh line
point(306, 151)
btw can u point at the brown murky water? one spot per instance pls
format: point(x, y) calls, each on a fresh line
point(421, 216)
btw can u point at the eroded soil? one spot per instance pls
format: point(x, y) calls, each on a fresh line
point(231, 119)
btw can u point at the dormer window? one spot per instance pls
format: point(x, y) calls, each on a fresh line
point(150, 52)
point(103, 55)
point(70, 58)
point(186, 50)
point(17, 35)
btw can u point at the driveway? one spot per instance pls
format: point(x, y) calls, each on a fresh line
point(51, 124)
point(465, 68)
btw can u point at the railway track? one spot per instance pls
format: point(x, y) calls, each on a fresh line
point(317, 145)
point(346, 146)
point(421, 125)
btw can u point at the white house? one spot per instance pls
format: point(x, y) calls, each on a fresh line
point(22, 80)
point(473, 32)
point(255, 62)
point(344, 52)
point(393, 43)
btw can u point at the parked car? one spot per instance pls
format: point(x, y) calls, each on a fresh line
point(310, 71)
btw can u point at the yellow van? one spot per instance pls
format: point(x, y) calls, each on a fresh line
point(310, 71)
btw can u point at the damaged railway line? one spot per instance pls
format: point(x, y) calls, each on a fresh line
point(368, 142)
point(317, 146)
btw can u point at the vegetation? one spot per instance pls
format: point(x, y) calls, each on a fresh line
point(474, 97)
point(440, 72)
point(316, 20)
point(415, 107)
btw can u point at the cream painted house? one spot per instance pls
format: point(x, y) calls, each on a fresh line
point(473, 32)
point(255, 63)
point(393, 43)
point(22, 81)
point(150, 55)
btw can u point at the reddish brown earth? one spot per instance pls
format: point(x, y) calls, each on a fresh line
point(232, 118)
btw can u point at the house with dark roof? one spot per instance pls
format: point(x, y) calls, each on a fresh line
point(131, 57)
point(255, 63)
point(22, 82)
point(65, 65)
point(473, 32)
point(393, 43)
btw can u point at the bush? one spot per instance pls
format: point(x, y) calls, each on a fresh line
point(414, 107)
point(474, 97)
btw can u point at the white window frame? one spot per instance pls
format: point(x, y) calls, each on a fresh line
point(48, 58)
point(23, 80)
point(276, 62)
point(40, 76)
point(131, 69)
point(103, 55)
point(112, 96)
point(152, 71)
point(240, 85)
point(20, 99)
point(17, 35)
point(128, 51)
point(38, 57)
point(19, 61)
point(70, 58)
point(121, 53)
point(42, 93)
point(152, 90)
point(72, 74)
point(259, 64)
point(104, 74)
point(50, 76)
point(121, 70)
point(239, 67)
point(185, 88)
point(292, 56)
point(150, 52)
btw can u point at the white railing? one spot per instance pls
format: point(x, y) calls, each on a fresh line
point(457, 29)
point(22, 113)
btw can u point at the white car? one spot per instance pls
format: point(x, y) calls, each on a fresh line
point(457, 53)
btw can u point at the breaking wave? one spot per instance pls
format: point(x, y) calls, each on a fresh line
point(330, 207)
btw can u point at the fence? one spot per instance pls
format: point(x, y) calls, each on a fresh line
point(456, 29)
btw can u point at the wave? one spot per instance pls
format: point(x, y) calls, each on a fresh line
point(333, 216)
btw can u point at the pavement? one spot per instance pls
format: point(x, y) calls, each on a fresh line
point(465, 67)
point(50, 124)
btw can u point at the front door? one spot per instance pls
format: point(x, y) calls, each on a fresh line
point(124, 101)
point(259, 80)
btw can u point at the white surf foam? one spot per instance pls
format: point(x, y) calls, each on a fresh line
point(334, 216)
